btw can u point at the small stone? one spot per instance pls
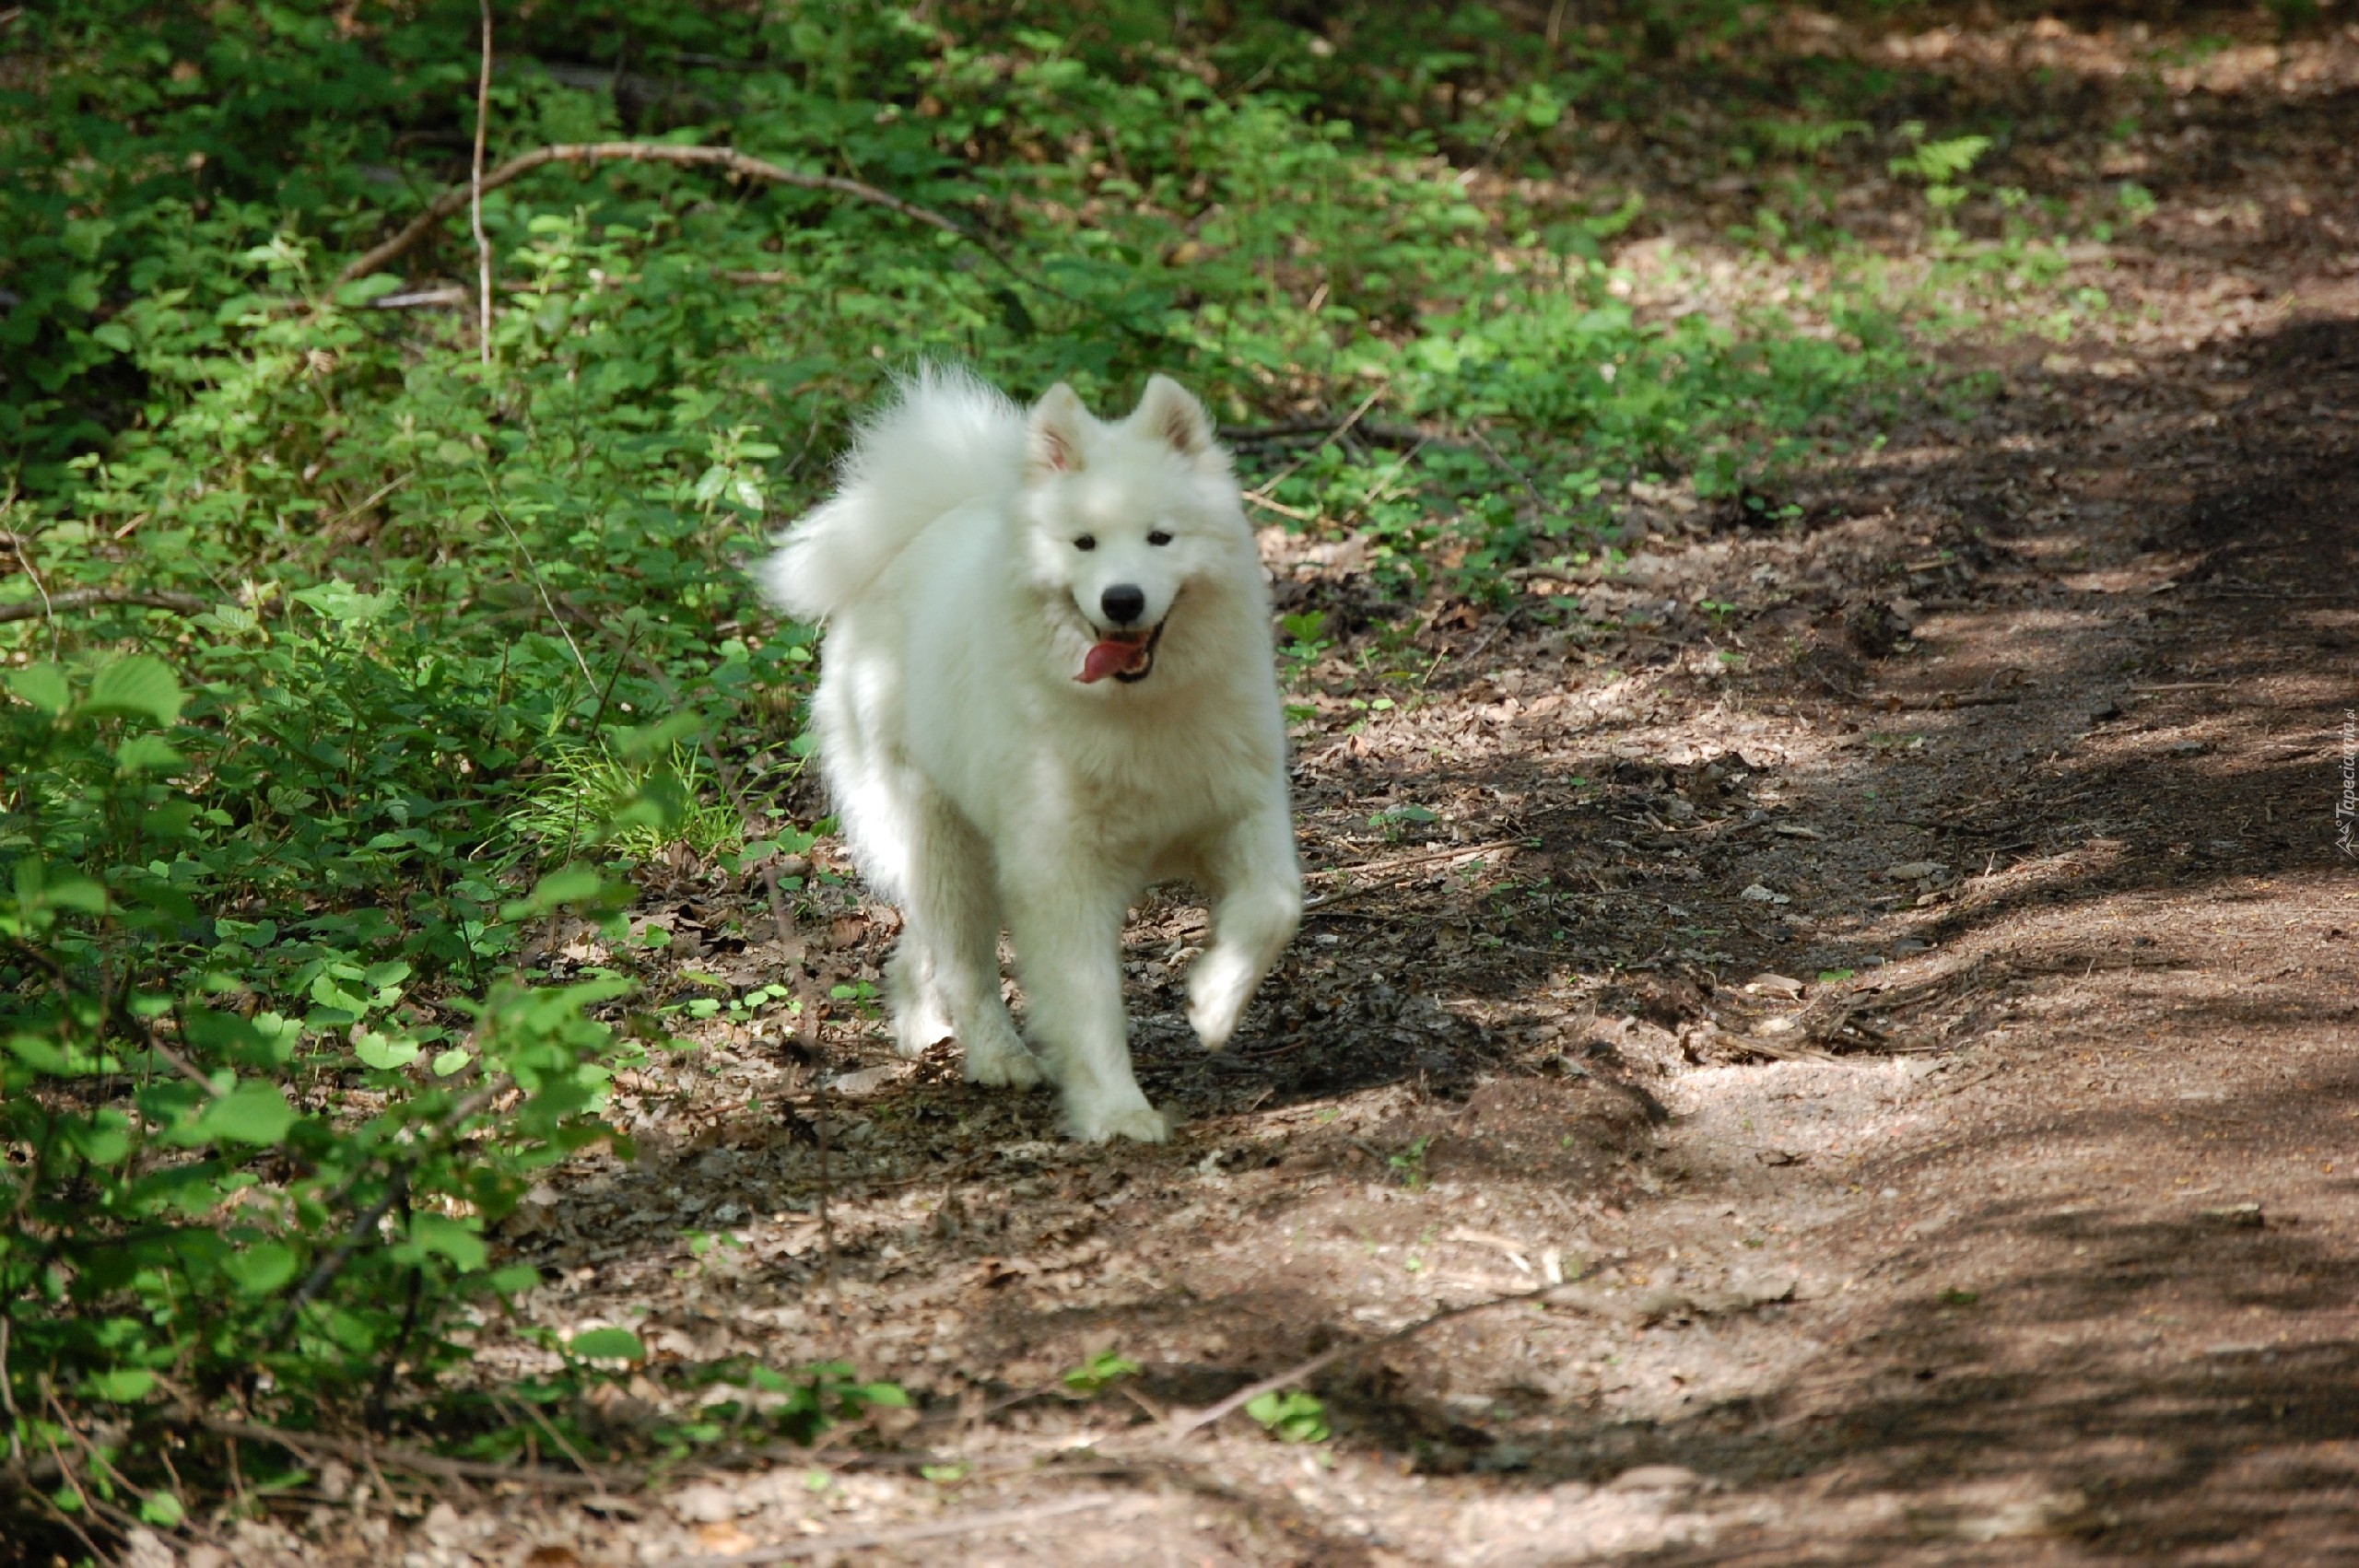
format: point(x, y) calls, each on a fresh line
point(869, 1079)
point(1914, 871)
point(1757, 894)
point(1773, 984)
point(2237, 1216)
point(703, 1504)
point(1655, 1478)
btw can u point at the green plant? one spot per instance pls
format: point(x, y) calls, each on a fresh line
point(1100, 1372)
point(192, 1220)
point(1294, 1416)
point(1409, 1165)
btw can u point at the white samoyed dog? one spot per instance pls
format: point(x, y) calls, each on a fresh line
point(1047, 681)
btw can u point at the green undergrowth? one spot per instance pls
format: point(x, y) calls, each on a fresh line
point(354, 645)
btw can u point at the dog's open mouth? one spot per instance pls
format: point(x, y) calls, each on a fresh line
point(1126, 656)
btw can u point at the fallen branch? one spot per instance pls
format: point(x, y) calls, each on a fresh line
point(729, 158)
point(90, 598)
point(1564, 1293)
point(1414, 862)
point(858, 1540)
point(1453, 852)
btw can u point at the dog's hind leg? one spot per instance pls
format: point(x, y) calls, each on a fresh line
point(954, 924)
point(1068, 948)
point(1257, 903)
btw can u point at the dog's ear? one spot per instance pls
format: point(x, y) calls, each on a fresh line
point(1169, 411)
point(1052, 444)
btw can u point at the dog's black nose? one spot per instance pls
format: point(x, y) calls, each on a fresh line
point(1123, 602)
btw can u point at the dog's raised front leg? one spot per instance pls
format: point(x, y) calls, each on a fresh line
point(1257, 903)
point(1068, 950)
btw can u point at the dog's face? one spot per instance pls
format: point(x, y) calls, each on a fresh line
point(1125, 518)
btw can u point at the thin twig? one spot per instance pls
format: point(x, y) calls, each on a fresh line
point(1327, 899)
point(541, 587)
point(474, 195)
point(1182, 1423)
point(729, 158)
point(858, 1540)
point(24, 551)
point(1451, 853)
point(1262, 492)
point(1377, 489)
point(387, 489)
point(333, 1264)
point(1298, 429)
point(1518, 475)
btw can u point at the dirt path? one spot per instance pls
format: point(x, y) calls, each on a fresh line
point(1922, 1038)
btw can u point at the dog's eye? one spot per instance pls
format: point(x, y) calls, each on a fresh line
point(1086, 541)
point(1158, 537)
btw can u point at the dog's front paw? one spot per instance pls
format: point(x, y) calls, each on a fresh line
point(1217, 993)
point(1004, 1066)
point(1126, 1118)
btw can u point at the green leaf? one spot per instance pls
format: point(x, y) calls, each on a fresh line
point(162, 1509)
point(656, 738)
point(386, 1055)
point(43, 686)
point(454, 1239)
point(514, 1279)
point(142, 686)
point(453, 1060)
point(392, 972)
point(254, 1112)
point(608, 1344)
point(574, 885)
point(104, 1140)
point(361, 291)
point(262, 1268)
point(150, 753)
point(327, 994)
point(1294, 1416)
point(122, 1383)
point(1099, 1370)
point(340, 602)
point(227, 1034)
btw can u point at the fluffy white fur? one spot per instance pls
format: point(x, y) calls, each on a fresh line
point(961, 569)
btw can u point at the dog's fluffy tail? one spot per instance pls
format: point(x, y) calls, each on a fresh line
point(948, 438)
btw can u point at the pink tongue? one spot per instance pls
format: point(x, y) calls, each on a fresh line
point(1111, 657)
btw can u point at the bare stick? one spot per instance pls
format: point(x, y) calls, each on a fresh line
point(728, 158)
point(1449, 854)
point(474, 194)
point(856, 1540)
point(1262, 492)
point(1398, 877)
point(87, 598)
point(1182, 1423)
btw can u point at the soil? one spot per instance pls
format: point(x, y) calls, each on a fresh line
point(1892, 974)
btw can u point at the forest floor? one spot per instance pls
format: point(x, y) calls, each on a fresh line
point(1900, 979)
